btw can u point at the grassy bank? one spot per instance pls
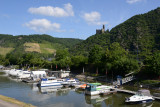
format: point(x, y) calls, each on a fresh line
point(147, 82)
point(150, 81)
point(14, 101)
point(2, 73)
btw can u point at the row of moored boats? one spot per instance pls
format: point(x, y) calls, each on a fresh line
point(142, 96)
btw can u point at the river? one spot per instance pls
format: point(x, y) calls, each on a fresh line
point(64, 97)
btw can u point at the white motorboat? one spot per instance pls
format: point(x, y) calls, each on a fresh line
point(14, 72)
point(50, 81)
point(142, 96)
point(70, 82)
point(24, 74)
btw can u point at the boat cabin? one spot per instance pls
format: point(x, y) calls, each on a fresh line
point(92, 86)
point(49, 78)
point(143, 92)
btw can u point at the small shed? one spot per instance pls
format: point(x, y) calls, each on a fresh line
point(1, 66)
point(35, 75)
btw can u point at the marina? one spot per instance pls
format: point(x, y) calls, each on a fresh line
point(80, 53)
point(54, 96)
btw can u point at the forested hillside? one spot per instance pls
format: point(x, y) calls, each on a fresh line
point(132, 46)
point(34, 43)
point(139, 34)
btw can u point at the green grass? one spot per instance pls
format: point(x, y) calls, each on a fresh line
point(4, 51)
point(1, 73)
point(49, 48)
point(32, 47)
point(150, 81)
point(45, 48)
point(14, 101)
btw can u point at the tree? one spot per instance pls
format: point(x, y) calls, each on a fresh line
point(27, 57)
point(95, 55)
point(2, 60)
point(63, 58)
point(116, 60)
point(36, 62)
point(78, 61)
point(152, 65)
point(61, 54)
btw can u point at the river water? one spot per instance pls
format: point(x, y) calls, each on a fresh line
point(64, 97)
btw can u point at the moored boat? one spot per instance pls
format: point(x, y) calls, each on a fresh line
point(70, 82)
point(50, 81)
point(24, 74)
point(96, 89)
point(142, 96)
point(81, 86)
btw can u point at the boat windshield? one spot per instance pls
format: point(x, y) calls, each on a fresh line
point(143, 93)
point(139, 93)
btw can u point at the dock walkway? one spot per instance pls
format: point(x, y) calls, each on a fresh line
point(156, 98)
point(126, 91)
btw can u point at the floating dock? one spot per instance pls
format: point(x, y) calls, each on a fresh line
point(126, 91)
point(156, 98)
point(107, 93)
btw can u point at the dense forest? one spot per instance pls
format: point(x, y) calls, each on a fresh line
point(140, 32)
point(14, 41)
point(132, 46)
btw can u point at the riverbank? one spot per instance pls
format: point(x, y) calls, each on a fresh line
point(11, 102)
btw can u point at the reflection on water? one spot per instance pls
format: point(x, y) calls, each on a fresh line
point(61, 97)
point(97, 99)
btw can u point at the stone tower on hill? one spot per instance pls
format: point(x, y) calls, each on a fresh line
point(100, 31)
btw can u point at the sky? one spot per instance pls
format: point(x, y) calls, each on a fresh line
point(68, 18)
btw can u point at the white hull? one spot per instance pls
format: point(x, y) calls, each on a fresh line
point(142, 96)
point(71, 82)
point(51, 84)
point(97, 92)
point(140, 101)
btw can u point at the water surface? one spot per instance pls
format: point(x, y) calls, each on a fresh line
point(61, 97)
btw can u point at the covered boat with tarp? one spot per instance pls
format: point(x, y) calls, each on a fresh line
point(97, 88)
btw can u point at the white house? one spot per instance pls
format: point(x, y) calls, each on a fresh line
point(36, 75)
point(59, 74)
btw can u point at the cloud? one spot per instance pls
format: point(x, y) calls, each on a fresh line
point(132, 1)
point(43, 25)
point(53, 11)
point(5, 16)
point(71, 30)
point(93, 18)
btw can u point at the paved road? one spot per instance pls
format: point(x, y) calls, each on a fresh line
point(7, 104)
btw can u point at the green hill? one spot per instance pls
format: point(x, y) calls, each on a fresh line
point(140, 32)
point(43, 44)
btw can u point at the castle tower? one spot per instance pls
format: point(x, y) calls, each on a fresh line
point(103, 29)
point(100, 31)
